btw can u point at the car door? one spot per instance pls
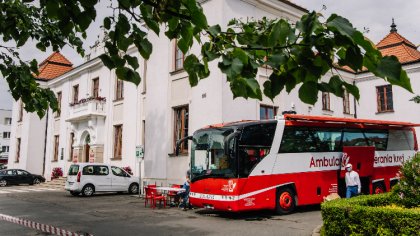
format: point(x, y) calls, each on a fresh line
point(120, 179)
point(11, 176)
point(103, 178)
point(23, 177)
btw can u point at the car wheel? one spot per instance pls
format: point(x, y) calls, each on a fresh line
point(36, 181)
point(133, 189)
point(88, 190)
point(74, 193)
point(3, 183)
point(285, 202)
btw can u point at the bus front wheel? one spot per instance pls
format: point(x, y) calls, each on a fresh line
point(378, 188)
point(285, 202)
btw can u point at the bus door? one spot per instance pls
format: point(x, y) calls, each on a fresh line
point(361, 158)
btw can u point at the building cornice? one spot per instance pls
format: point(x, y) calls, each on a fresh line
point(279, 6)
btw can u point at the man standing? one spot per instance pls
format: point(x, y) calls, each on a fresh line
point(352, 182)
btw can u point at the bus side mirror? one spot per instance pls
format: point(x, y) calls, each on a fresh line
point(227, 141)
point(179, 142)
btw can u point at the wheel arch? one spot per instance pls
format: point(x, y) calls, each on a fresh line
point(291, 186)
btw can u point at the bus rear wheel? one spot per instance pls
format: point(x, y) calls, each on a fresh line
point(378, 188)
point(285, 201)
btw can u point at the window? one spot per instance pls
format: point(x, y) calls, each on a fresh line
point(75, 94)
point(326, 101)
point(119, 172)
point(384, 98)
point(71, 146)
point(181, 127)
point(17, 150)
point(21, 172)
point(310, 139)
point(95, 170)
point(377, 138)
point(179, 58)
point(117, 141)
point(20, 117)
point(346, 103)
point(6, 135)
point(56, 143)
point(7, 121)
point(59, 96)
point(73, 170)
point(354, 138)
point(5, 149)
point(267, 112)
point(95, 87)
point(119, 89)
point(254, 144)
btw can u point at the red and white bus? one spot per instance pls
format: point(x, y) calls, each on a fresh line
point(294, 160)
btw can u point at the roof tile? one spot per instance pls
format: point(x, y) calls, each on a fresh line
point(54, 66)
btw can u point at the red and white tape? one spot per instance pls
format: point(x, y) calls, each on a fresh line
point(38, 226)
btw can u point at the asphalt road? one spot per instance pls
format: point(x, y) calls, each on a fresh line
point(113, 214)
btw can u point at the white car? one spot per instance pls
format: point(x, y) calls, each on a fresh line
point(88, 178)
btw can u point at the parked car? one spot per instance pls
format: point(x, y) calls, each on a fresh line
point(18, 176)
point(88, 178)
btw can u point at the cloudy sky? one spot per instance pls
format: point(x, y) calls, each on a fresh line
point(375, 15)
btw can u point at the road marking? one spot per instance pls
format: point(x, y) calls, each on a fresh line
point(2, 191)
point(38, 226)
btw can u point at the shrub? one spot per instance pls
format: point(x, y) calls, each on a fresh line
point(369, 215)
point(408, 188)
point(56, 172)
point(128, 170)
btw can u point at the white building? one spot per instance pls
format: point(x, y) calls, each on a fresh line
point(104, 120)
point(6, 103)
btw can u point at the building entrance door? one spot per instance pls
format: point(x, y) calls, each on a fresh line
point(87, 148)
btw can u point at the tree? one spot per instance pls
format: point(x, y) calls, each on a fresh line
point(298, 54)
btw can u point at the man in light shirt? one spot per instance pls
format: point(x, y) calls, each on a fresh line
point(352, 182)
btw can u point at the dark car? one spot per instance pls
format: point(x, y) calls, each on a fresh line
point(17, 176)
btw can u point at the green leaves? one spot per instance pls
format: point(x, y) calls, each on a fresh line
point(293, 55)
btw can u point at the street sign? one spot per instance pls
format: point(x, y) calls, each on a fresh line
point(139, 152)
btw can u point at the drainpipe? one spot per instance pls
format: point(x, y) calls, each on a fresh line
point(45, 143)
point(355, 106)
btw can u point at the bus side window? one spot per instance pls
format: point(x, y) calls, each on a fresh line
point(354, 138)
point(377, 138)
point(400, 140)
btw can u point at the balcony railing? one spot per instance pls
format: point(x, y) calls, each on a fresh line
point(87, 108)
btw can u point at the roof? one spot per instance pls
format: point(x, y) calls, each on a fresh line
point(364, 122)
point(294, 5)
point(54, 66)
point(397, 45)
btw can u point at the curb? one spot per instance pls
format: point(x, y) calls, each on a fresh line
point(317, 230)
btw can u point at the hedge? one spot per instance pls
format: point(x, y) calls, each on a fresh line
point(369, 215)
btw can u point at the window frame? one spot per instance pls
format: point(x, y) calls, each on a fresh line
point(8, 120)
point(326, 101)
point(20, 115)
point(266, 111)
point(56, 147)
point(119, 89)
point(118, 130)
point(178, 57)
point(59, 97)
point(95, 87)
point(181, 127)
point(6, 135)
point(71, 149)
point(346, 102)
point(384, 90)
point(75, 94)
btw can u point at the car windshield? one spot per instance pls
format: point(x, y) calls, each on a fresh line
point(73, 170)
point(208, 158)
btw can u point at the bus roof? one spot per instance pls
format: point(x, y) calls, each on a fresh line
point(330, 119)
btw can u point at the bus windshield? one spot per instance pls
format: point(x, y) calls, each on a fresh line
point(208, 158)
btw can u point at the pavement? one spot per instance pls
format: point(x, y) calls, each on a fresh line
point(123, 214)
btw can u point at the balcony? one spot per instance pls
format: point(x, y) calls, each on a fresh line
point(87, 108)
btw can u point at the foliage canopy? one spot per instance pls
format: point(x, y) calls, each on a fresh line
point(299, 53)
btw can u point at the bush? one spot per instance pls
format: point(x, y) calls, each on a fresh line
point(408, 188)
point(369, 215)
point(56, 172)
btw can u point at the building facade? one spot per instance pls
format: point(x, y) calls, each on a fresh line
point(103, 119)
point(6, 103)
